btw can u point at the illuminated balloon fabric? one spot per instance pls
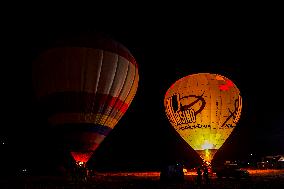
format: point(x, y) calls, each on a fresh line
point(204, 109)
point(85, 90)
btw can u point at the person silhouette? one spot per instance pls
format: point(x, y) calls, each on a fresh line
point(199, 177)
point(206, 176)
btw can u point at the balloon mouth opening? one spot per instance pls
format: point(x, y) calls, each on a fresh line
point(81, 157)
point(207, 154)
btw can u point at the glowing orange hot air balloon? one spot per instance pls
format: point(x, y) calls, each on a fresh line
point(85, 86)
point(204, 109)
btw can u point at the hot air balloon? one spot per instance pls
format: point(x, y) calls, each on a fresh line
point(204, 109)
point(85, 85)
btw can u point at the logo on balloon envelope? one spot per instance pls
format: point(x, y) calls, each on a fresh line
point(204, 109)
point(181, 112)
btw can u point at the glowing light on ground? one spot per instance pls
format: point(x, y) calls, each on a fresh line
point(192, 172)
point(266, 172)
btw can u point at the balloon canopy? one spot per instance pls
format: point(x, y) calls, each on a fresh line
point(204, 109)
point(85, 85)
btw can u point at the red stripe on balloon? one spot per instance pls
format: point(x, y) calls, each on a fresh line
point(112, 102)
point(82, 102)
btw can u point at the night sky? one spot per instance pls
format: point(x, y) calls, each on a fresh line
point(246, 49)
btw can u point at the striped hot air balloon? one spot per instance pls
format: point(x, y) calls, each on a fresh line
point(85, 86)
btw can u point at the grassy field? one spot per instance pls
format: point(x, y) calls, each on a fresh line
point(262, 179)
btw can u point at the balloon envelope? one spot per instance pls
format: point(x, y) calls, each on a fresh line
point(85, 86)
point(204, 109)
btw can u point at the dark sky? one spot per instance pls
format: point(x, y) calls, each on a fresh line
point(248, 49)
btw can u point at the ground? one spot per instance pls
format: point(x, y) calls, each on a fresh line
point(262, 179)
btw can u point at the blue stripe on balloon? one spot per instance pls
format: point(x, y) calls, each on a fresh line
point(101, 129)
point(86, 127)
